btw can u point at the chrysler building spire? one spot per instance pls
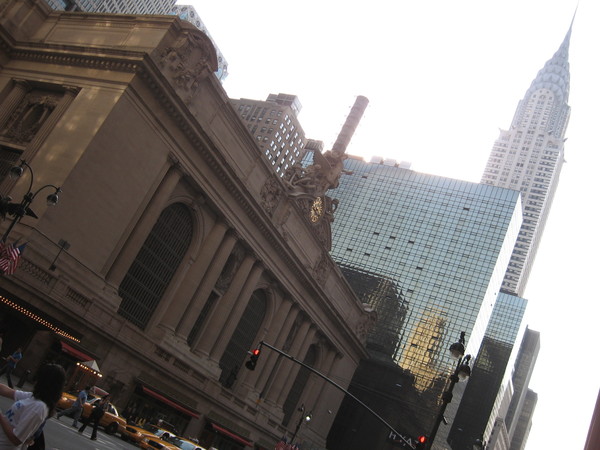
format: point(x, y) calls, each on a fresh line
point(555, 73)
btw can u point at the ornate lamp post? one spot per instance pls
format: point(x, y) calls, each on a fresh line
point(461, 373)
point(303, 418)
point(18, 210)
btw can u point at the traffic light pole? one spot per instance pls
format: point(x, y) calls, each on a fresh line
point(282, 353)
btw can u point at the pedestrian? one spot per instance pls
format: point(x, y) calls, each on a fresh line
point(11, 363)
point(95, 416)
point(77, 407)
point(25, 418)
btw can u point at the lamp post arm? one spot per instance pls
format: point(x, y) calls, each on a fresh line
point(24, 163)
point(282, 353)
point(27, 199)
point(57, 189)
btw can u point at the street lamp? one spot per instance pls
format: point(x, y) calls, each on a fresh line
point(18, 210)
point(303, 418)
point(479, 444)
point(461, 373)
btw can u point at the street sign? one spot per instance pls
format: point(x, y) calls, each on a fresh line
point(401, 441)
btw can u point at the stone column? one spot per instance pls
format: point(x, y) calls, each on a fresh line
point(285, 366)
point(290, 377)
point(329, 397)
point(204, 289)
point(316, 384)
point(184, 294)
point(143, 227)
point(236, 312)
point(217, 319)
point(280, 325)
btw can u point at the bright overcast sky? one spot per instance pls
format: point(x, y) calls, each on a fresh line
point(441, 78)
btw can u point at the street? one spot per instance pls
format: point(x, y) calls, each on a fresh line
point(60, 435)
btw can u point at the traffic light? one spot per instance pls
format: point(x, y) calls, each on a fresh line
point(251, 363)
point(421, 442)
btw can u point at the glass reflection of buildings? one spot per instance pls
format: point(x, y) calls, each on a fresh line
point(483, 395)
point(429, 254)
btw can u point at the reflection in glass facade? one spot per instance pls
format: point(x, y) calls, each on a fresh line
point(491, 373)
point(388, 301)
point(428, 253)
point(441, 245)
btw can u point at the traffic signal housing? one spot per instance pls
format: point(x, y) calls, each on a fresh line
point(251, 363)
point(421, 442)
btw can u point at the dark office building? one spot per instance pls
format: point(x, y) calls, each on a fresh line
point(523, 425)
point(480, 397)
point(528, 353)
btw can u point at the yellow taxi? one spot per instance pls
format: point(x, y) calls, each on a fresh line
point(111, 421)
point(150, 442)
point(134, 434)
point(184, 444)
point(177, 441)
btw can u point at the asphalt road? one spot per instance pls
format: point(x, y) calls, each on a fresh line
point(60, 435)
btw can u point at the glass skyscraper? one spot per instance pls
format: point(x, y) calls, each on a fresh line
point(428, 253)
point(437, 247)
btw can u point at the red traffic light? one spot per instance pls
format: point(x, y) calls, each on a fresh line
point(254, 354)
point(421, 442)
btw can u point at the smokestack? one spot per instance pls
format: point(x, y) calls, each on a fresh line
point(350, 125)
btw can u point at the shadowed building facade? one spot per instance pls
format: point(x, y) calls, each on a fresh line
point(184, 249)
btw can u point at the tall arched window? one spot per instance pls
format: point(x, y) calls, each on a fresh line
point(155, 264)
point(293, 398)
point(242, 338)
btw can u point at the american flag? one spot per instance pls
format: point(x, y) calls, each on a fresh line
point(9, 257)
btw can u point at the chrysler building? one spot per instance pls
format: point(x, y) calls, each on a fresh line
point(528, 157)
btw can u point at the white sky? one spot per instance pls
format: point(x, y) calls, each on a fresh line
point(441, 78)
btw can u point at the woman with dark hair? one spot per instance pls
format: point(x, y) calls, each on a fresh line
point(31, 409)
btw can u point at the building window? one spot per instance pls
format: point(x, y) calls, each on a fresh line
point(155, 264)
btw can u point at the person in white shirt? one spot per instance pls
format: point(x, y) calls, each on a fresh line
point(31, 409)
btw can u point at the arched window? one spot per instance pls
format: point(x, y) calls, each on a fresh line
point(242, 338)
point(293, 398)
point(155, 264)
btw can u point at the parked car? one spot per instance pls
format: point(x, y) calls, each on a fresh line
point(111, 421)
